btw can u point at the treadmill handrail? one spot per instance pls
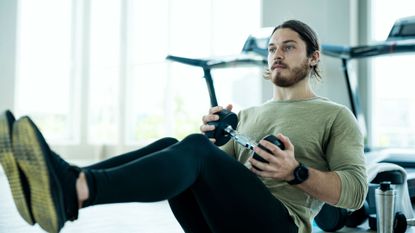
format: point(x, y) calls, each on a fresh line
point(363, 51)
point(221, 62)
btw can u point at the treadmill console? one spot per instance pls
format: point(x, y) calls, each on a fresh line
point(403, 29)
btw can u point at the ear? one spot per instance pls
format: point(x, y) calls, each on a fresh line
point(314, 58)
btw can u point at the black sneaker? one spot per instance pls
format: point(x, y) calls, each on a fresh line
point(16, 178)
point(52, 180)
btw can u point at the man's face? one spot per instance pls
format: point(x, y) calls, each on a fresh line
point(287, 58)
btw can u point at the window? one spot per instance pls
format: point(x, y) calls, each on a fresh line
point(94, 72)
point(44, 74)
point(393, 98)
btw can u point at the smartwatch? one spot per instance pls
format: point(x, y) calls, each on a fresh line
point(300, 175)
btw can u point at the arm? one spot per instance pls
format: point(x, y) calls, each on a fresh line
point(325, 186)
point(344, 186)
point(345, 183)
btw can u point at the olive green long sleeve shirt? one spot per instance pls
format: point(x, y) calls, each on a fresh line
point(325, 136)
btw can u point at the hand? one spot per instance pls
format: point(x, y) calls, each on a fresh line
point(281, 163)
point(212, 116)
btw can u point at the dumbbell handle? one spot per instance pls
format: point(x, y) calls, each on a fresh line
point(240, 138)
point(411, 222)
point(247, 142)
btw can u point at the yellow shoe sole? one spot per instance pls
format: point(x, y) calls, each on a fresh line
point(11, 169)
point(32, 153)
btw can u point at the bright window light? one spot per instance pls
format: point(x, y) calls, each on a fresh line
point(94, 72)
point(393, 98)
point(44, 89)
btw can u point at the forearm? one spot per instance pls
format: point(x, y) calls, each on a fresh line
point(325, 186)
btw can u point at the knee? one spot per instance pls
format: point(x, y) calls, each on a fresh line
point(198, 146)
point(197, 139)
point(168, 141)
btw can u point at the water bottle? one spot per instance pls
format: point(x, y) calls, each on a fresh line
point(385, 207)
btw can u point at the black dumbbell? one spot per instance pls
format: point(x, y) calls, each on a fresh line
point(226, 119)
point(331, 218)
point(274, 140)
point(225, 130)
point(401, 223)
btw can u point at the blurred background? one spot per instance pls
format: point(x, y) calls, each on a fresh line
point(93, 74)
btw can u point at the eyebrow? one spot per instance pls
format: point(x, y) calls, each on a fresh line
point(284, 42)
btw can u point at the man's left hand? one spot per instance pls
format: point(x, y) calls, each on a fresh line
point(281, 163)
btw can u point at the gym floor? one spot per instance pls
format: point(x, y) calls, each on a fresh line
point(131, 217)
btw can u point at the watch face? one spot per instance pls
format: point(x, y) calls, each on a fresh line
point(302, 173)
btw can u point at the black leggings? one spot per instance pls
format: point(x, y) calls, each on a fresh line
point(208, 191)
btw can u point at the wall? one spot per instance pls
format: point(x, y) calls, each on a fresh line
point(8, 21)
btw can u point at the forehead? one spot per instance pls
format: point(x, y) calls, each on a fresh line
point(282, 35)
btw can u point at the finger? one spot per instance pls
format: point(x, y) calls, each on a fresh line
point(206, 128)
point(261, 165)
point(271, 147)
point(259, 152)
point(229, 107)
point(215, 109)
point(286, 141)
point(258, 164)
point(256, 171)
point(212, 140)
point(260, 173)
point(264, 154)
point(209, 118)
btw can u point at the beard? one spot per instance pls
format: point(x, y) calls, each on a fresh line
point(295, 75)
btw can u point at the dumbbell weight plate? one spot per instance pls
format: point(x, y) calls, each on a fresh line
point(226, 118)
point(331, 218)
point(357, 217)
point(274, 140)
point(373, 222)
point(399, 224)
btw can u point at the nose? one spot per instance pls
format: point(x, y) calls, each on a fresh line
point(278, 54)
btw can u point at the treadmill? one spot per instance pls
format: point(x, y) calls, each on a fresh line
point(401, 39)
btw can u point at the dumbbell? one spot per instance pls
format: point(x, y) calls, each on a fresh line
point(401, 223)
point(226, 119)
point(225, 130)
point(331, 218)
point(247, 142)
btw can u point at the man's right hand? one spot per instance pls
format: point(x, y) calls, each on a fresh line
point(212, 116)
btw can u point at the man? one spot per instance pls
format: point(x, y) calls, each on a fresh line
point(319, 130)
point(208, 190)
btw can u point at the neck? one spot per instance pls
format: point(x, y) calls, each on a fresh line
point(299, 91)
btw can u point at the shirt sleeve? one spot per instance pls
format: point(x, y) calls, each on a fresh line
point(345, 155)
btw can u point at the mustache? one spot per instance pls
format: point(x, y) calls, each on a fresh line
point(278, 64)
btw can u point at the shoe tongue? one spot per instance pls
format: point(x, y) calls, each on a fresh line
point(68, 176)
point(70, 194)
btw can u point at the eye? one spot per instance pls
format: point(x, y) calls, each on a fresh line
point(271, 50)
point(288, 48)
